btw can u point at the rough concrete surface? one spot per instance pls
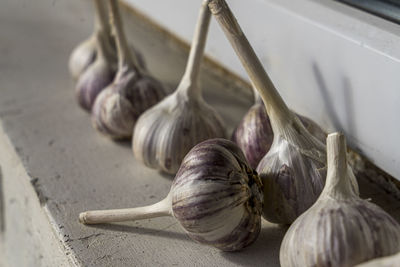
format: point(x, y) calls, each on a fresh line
point(54, 165)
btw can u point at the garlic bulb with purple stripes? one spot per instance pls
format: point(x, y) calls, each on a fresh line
point(216, 197)
point(340, 229)
point(133, 90)
point(85, 53)
point(254, 133)
point(82, 57)
point(166, 132)
point(96, 75)
point(294, 169)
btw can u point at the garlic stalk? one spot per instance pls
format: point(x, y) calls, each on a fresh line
point(165, 133)
point(389, 261)
point(133, 90)
point(85, 53)
point(294, 169)
point(100, 73)
point(254, 133)
point(215, 196)
point(340, 229)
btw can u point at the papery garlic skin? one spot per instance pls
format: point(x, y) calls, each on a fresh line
point(340, 229)
point(313, 128)
point(97, 76)
point(132, 92)
point(293, 173)
point(254, 133)
point(216, 197)
point(293, 170)
point(341, 233)
point(164, 134)
point(291, 183)
point(118, 107)
point(85, 53)
point(82, 57)
point(389, 261)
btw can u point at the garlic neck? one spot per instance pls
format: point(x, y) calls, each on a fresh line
point(103, 48)
point(101, 18)
point(338, 184)
point(190, 81)
point(276, 108)
point(293, 131)
point(125, 57)
point(256, 95)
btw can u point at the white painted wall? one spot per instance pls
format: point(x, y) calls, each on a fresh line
point(338, 65)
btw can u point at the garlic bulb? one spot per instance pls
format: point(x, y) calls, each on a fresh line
point(98, 75)
point(82, 57)
point(166, 132)
point(85, 53)
point(294, 169)
point(133, 91)
point(389, 261)
point(254, 133)
point(215, 196)
point(340, 229)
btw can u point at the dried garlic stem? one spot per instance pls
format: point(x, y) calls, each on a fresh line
point(275, 105)
point(337, 184)
point(125, 57)
point(101, 17)
point(190, 81)
point(159, 209)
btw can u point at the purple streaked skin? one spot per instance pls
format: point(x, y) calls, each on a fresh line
point(215, 196)
point(82, 57)
point(221, 162)
point(254, 133)
point(118, 107)
point(97, 77)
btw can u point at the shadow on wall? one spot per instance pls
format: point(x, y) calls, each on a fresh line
point(323, 88)
point(348, 103)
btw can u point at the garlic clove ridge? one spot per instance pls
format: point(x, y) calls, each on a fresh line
point(118, 107)
point(164, 134)
point(132, 92)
